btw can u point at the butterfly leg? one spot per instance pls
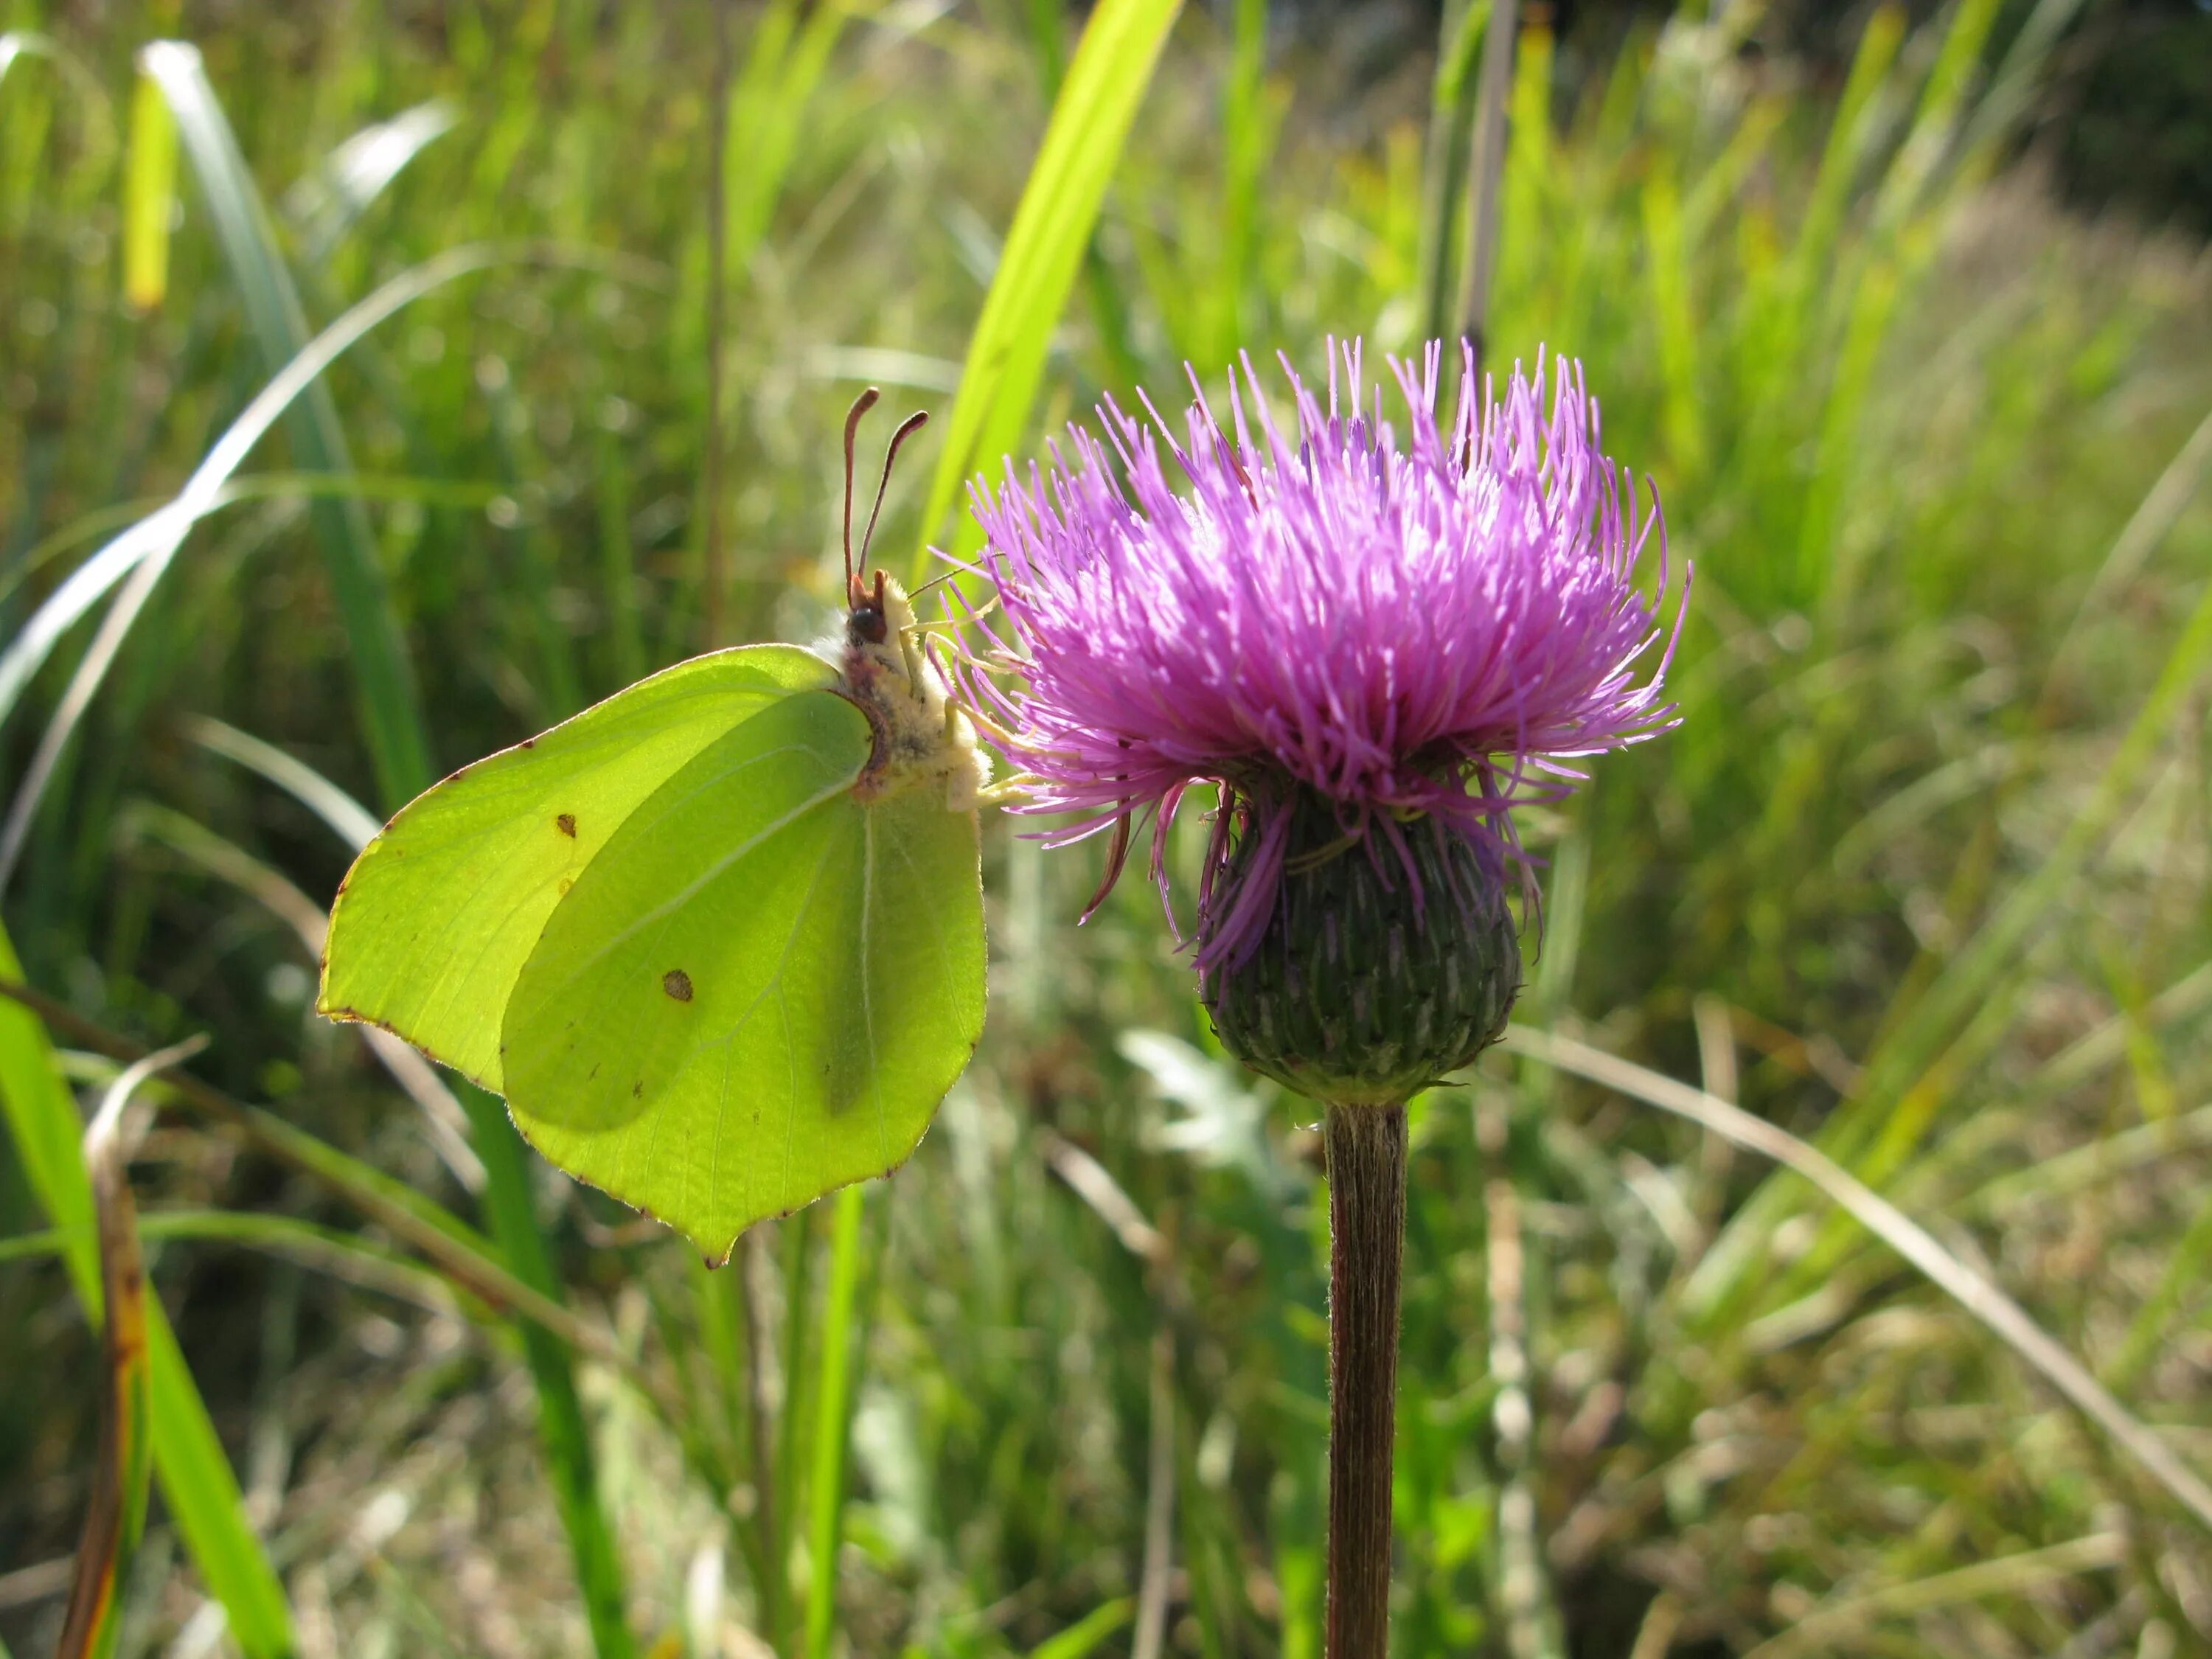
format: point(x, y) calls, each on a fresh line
point(982, 722)
point(913, 660)
point(1007, 790)
point(956, 705)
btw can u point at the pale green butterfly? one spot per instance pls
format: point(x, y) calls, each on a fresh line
point(718, 939)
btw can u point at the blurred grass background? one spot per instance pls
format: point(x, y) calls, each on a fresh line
point(1922, 879)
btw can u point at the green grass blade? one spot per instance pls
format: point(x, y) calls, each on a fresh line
point(833, 1417)
point(102, 522)
point(18, 44)
point(1674, 325)
point(352, 823)
point(1850, 134)
point(1090, 119)
point(619, 564)
point(1247, 138)
point(1876, 1130)
point(796, 1236)
point(1109, 310)
point(2019, 77)
point(1486, 168)
point(1981, 1300)
point(1083, 1637)
point(196, 1480)
point(571, 1466)
point(518, 1275)
point(143, 552)
point(460, 1253)
point(391, 718)
point(157, 534)
point(347, 1255)
point(2148, 1334)
point(1843, 1622)
point(328, 203)
point(783, 66)
point(1959, 988)
point(1445, 161)
point(1936, 123)
point(507, 1196)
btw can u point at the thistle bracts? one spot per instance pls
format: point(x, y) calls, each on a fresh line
point(1386, 958)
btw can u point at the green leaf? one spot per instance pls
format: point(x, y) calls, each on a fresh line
point(760, 988)
point(434, 923)
point(195, 1477)
point(1052, 227)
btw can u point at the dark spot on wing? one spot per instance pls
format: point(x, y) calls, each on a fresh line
point(527, 743)
point(566, 824)
point(677, 984)
point(637, 1090)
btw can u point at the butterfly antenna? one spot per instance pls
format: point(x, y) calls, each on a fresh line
point(941, 576)
point(907, 428)
point(861, 405)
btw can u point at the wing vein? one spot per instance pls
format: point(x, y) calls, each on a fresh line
point(715, 870)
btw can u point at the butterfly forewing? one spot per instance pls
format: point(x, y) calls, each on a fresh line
point(433, 925)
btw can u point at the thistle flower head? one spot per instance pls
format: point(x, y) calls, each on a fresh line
point(1409, 623)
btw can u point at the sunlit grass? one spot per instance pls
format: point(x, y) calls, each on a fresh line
point(1921, 877)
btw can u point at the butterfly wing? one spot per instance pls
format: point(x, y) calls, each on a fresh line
point(434, 922)
point(760, 989)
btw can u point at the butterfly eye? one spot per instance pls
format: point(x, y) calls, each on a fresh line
point(866, 625)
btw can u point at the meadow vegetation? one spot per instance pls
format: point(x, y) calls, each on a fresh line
point(1922, 879)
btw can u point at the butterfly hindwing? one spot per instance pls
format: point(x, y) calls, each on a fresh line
point(760, 989)
point(433, 924)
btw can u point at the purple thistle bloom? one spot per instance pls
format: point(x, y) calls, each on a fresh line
point(1430, 626)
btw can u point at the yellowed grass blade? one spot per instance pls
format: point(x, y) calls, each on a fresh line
point(117, 1513)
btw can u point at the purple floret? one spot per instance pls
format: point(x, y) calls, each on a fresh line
point(1431, 626)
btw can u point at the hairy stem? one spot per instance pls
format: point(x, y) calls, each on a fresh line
point(1366, 1149)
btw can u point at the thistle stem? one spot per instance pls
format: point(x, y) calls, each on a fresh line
point(1366, 1147)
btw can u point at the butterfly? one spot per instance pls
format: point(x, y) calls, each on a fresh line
point(718, 939)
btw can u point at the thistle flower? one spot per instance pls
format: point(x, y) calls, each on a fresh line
point(1377, 641)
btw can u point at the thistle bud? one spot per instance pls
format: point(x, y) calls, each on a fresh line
point(1385, 960)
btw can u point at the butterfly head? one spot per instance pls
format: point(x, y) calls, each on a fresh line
point(867, 612)
point(920, 734)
